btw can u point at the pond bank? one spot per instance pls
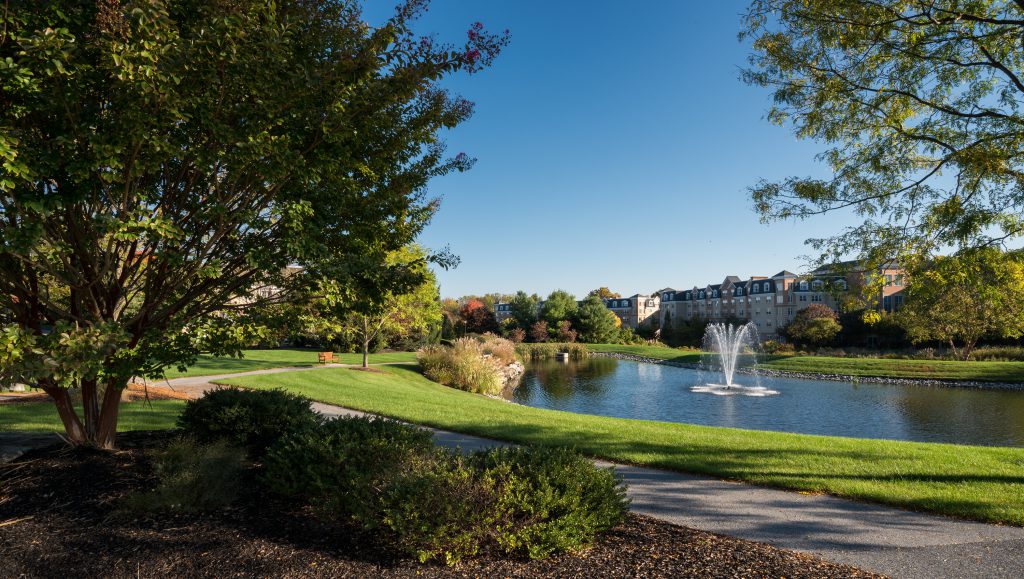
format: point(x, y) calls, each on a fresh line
point(948, 383)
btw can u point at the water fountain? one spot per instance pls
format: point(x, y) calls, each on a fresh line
point(726, 342)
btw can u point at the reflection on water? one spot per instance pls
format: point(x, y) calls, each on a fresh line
point(610, 387)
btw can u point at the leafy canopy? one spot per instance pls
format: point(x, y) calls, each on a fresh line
point(919, 104)
point(162, 159)
point(963, 298)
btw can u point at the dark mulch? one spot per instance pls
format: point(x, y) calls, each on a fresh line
point(58, 519)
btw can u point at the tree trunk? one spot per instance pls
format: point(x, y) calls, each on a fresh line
point(952, 346)
point(366, 353)
point(968, 349)
point(72, 425)
point(99, 428)
point(106, 427)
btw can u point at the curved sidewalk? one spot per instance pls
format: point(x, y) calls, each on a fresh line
point(876, 538)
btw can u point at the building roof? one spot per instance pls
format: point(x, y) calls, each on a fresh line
point(785, 273)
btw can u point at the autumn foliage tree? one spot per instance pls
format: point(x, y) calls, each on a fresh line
point(479, 319)
point(161, 160)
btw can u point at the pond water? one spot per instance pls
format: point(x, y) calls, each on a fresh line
point(625, 389)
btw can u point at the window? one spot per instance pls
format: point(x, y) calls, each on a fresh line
point(766, 286)
point(887, 303)
point(897, 302)
point(769, 324)
point(803, 298)
point(803, 286)
point(815, 298)
point(898, 280)
point(817, 284)
point(841, 284)
point(756, 288)
point(888, 280)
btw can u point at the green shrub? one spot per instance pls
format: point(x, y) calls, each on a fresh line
point(558, 499)
point(521, 501)
point(192, 477)
point(337, 465)
point(468, 364)
point(253, 419)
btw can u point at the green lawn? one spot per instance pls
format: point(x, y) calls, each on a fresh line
point(877, 367)
point(278, 358)
point(42, 416)
point(975, 482)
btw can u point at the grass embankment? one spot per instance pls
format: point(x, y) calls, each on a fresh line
point(975, 482)
point(42, 416)
point(867, 367)
point(208, 365)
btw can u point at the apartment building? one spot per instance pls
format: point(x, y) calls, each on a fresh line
point(772, 302)
point(635, 310)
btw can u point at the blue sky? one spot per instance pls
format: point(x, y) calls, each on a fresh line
point(615, 145)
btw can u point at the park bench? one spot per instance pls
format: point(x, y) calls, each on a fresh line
point(326, 357)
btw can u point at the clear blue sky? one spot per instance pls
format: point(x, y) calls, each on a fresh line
point(615, 145)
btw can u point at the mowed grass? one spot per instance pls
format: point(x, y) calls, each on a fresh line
point(873, 367)
point(42, 416)
point(277, 358)
point(981, 483)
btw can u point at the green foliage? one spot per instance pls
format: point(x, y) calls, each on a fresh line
point(117, 147)
point(962, 298)
point(547, 350)
point(559, 500)
point(560, 305)
point(251, 419)
point(378, 301)
point(815, 324)
point(336, 464)
point(192, 477)
point(918, 102)
point(521, 501)
point(524, 309)
point(595, 323)
point(604, 293)
point(473, 364)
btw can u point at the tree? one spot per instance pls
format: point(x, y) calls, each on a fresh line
point(162, 162)
point(815, 324)
point(524, 309)
point(918, 101)
point(565, 332)
point(560, 305)
point(539, 331)
point(479, 318)
point(400, 298)
point(595, 323)
point(604, 293)
point(963, 298)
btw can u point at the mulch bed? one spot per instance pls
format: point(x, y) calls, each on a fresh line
point(59, 518)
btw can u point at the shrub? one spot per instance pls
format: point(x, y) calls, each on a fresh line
point(253, 419)
point(522, 501)
point(548, 350)
point(469, 363)
point(192, 477)
point(337, 465)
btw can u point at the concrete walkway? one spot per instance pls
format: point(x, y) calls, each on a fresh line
point(882, 539)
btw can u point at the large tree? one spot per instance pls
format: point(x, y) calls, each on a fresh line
point(560, 305)
point(595, 323)
point(919, 104)
point(524, 309)
point(963, 298)
point(160, 159)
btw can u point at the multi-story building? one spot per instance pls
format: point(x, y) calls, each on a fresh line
point(772, 302)
point(634, 310)
point(502, 312)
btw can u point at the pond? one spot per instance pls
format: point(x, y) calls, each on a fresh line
point(625, 389)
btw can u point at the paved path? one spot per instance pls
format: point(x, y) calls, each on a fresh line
point(882, 539)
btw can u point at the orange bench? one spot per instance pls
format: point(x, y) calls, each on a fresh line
point(326, 357)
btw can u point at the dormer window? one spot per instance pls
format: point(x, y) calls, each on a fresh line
point(803, 286)
point(756, 288)
point(817, 284)
point(766, 286)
